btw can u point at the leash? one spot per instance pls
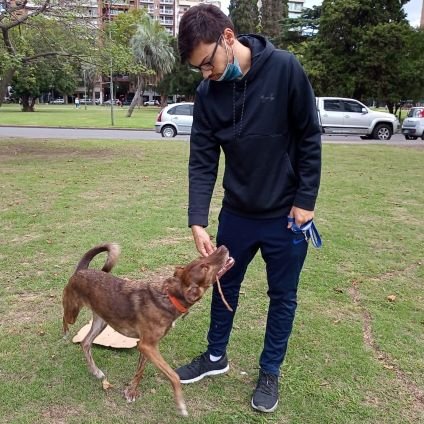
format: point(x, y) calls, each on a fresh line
point(222, 296)
point(308, 229)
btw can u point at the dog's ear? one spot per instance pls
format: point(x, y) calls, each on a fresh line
point(178, 273)
point(194, 293)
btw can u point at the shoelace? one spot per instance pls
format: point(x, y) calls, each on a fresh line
point(309, 230)
point(196, 361)
point(267, 383)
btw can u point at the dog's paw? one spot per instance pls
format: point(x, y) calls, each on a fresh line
point(131, 394)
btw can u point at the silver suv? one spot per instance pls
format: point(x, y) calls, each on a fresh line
point(413, 125)
point(350, 117)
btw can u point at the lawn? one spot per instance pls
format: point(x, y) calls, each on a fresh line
point(47, 115)
point(356, 351)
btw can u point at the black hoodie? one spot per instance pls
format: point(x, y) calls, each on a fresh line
point(267, 126)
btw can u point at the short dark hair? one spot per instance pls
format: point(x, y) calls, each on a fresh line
point(203, 23)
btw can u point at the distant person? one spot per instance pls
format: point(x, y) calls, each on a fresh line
point(77, 102)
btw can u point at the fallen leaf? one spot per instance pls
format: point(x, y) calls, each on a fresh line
point(389, 367)
point(391, 298)
point(106, 385)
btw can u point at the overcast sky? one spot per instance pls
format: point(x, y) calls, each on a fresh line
point(413, 9)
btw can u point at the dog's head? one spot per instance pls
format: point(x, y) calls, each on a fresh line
point(199, 275)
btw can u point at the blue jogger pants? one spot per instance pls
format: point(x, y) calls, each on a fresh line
point(284, 253)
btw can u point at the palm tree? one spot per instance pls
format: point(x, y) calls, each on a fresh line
point(152, 48)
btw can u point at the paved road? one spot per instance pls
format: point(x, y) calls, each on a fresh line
point(115, 134)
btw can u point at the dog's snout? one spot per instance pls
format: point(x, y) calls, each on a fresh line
point(223, 249)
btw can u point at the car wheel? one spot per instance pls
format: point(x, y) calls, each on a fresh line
point(410, 137)
point(422, 136)
point(168, 131)
point(382, 132)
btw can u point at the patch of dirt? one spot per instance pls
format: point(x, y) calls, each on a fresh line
point(416, 393)
point(170, 241)
point(42, 150)
point(56, 414)
point(28, 309)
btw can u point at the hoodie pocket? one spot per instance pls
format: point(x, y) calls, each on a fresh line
point(259, 176)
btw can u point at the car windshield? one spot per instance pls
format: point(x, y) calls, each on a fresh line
point(416, 113)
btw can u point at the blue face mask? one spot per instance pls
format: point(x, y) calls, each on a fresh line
point(232, 70)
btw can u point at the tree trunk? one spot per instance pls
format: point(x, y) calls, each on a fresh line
point(136, 99)
point(28, 104)
point(390, 107)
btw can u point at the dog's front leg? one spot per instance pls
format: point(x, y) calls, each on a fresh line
point(152, 353)
point(131, 392)
point(97, 326)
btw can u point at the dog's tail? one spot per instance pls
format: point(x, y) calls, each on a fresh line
point(72, 303)
point(112, 256)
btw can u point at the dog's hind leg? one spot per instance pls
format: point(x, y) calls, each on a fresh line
point(131, 393)
point(97, 326)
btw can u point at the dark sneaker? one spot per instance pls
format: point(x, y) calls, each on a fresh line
point(265, 396)
point(201, 367)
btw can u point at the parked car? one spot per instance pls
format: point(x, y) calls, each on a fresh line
point(86, 101)
point(413, 124)
point(151, 103)
point(58, 101)
point(338, 115)
point(175, 119)
point(108, 102)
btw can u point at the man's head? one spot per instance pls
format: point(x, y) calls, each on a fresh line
point(205, 39)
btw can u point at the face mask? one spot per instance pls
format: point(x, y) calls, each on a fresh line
point(232, 70)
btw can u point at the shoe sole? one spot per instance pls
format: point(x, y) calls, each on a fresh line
point(263, 409)
point(208, 373)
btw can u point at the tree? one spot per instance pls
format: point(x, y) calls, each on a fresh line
point(272, 12)
point(181, 80)
point(152, 49)
point(33, 79)
point(364, 49)
point(296, 31)
point(245, 15)
point(26, 38)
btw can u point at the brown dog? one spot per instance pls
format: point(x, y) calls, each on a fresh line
point(138, 309)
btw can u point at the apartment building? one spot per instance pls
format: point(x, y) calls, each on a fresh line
point(295, 8)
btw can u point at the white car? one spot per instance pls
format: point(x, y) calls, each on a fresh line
point(151, 103)
point(413, 124)
point(175, 119)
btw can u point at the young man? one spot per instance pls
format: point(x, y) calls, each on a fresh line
point(256, 104)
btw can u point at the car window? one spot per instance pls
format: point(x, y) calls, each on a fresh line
point(172, 111)
point(332, 105)
point(191, 109)
point(183, 110)
point(416, 113)
point(350, 106)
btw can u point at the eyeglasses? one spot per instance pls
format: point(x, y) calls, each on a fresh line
point(208, 66)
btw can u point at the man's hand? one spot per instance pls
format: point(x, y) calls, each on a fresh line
point(203, 241)
point(300, 216)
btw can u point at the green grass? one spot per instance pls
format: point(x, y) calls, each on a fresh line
point(59, 198)
point(47, 115)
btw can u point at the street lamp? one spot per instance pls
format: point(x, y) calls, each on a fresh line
point(111, 71)
point(85, 89)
